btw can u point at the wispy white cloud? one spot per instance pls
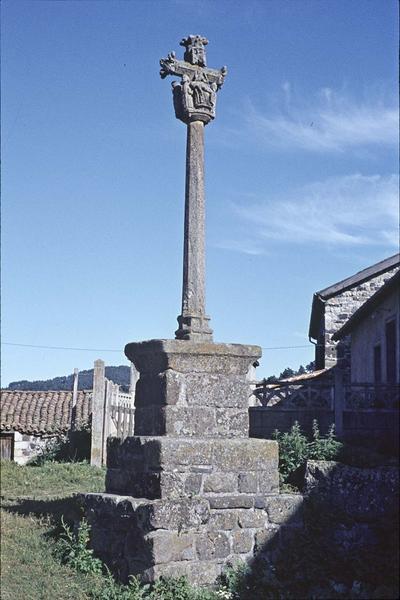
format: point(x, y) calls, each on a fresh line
point(327, 122)
point(249, 246)
point(351, 210)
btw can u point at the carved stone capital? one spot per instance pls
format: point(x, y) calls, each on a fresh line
point(195, 100)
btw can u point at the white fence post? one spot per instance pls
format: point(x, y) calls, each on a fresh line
point(96, 452)
point(107, 418)
point(74, 399)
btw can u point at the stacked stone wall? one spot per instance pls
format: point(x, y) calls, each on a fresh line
point(163, 467)
point(339, 309)
point(27, 447)
point(193, 536)
point(204, 502)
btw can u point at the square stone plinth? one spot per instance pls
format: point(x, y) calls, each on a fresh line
point(229, 472)
point(186, 536)
point(192, 388)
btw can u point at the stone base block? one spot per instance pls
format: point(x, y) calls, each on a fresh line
point(230, 472)
point(191, 388)
point(190, 536)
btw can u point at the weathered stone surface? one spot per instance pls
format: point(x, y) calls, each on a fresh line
point(192, 388)
point(268, 481)
point(247, 482)
point(266, 540)
point(166, 451)
point(173, 514)
point(196, 95)
point(191, 421)
point(339, 307)
point(169, 546)
point(194, 101)
point(362, 494)
point(252, 518)
point(138, 485)
point(150, 421)
point(172, 485)
point(242, 541)
point(224, 519)
point(158, 467)
point(111, 504)
point(127, 454)
point(156, 356)
point(216, 389)
point(217, 483)
point(232, 422)
point(212, 545)
point(200, 573)
point(234, 501)
point(193, 484)
point(285, 508)
point(250, 454)
point(167, 387)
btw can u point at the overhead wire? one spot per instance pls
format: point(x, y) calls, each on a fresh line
point(113, 350)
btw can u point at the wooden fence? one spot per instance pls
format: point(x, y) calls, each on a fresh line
point(112, 413)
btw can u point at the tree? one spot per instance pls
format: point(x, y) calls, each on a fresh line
point(286, 373)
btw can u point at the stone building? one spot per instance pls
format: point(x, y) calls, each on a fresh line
point(374, 336)
point(333, 306)
point(30, 420)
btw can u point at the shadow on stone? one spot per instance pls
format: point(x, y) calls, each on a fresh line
point(345, 545)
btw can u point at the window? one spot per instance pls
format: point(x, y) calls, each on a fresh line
point(390, 331)
point(377, 364)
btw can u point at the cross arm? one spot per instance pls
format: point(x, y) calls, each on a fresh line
point(172, 66)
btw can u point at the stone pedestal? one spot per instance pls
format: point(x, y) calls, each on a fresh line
point(191, 491)
point(192, 388)
point(225, 471)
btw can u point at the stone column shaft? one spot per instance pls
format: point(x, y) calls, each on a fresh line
point(193, 290)
point(193, 322)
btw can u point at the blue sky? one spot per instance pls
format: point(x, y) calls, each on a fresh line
point(301, 171)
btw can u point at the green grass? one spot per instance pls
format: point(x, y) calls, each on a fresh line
point(30, 569)
point(51, 480)
point(33, 499)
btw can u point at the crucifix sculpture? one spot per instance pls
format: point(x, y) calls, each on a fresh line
point(194, 102)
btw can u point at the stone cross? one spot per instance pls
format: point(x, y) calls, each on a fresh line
point(194, 102)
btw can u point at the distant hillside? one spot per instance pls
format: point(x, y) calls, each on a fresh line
point(120, 375)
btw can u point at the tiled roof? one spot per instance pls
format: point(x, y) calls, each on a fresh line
point(299, 379)
point(307, 376)
point(364, 275)
point(43, 412)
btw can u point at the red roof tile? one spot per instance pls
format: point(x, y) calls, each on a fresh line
point(43, 412)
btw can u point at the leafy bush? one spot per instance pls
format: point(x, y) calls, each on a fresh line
point(232, 581)
point(72, 448)
point(49, 453)
point(295, 449)
point(321, 448)
point(74, 550)
point(292, 450)
point(165, 588)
